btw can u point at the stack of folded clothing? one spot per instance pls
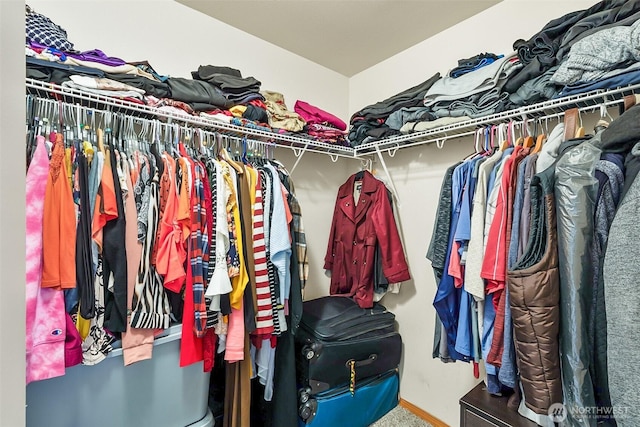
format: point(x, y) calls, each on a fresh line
point(412, 119)
point(468, 65)
point(615, 78)
point(327, 134)
point(369, 123)
point(234, 87)
point(50, 57)
point(216, 92)
point(620, 13)
point(399, 118)
point(471, 90)
point(475, 94)
point(550, 46)
point(105, 87)
point(321, 125)
point(607, 58)
point(200, 95)
point(419, 125)
point(280, 117)
point(537, 89)
point(169, 105)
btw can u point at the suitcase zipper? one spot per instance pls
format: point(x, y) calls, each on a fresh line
point(344, 337)
point(371, 380)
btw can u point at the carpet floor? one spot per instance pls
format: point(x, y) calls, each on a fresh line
point(400, 417)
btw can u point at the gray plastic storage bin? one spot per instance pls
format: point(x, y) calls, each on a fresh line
point(153, 393)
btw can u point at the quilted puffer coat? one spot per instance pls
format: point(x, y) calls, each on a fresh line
point(534, 288)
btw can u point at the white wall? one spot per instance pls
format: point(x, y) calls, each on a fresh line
point(493, 30)
point(417, 173)
point(186, 39)
point(317, 180)
point(176, 39)
point(12, 216)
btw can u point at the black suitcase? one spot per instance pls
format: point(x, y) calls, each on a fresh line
point(338, 342)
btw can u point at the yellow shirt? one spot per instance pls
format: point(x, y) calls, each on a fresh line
point(240, 280)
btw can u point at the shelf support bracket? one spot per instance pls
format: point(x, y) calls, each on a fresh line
point(366, 163)
point(298, 152)
point(386, 171)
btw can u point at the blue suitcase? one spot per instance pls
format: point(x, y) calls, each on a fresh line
point(372, 399)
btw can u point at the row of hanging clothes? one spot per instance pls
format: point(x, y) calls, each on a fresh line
point(523, 258)
point(134, 225)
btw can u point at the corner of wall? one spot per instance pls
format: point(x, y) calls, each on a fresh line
point(417, 173)
point(12, 226)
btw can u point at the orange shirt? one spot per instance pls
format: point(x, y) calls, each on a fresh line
point(106, 208)
point(59, 225)
point(184, 200)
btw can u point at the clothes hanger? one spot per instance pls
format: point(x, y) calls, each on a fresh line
point(488, 142)
point(478, 148)
point(529, 140)
point(32, 128)
point(493, 140)
point(243, 157)
point(540, 140)
point(209, 147)
point(580, 131)
point(87, 146)
point(124, 137)
point(604, 114)
point(488, 136)
point(259, 155)
point(67, 120)
point(141, 136)
point(161, 136)
point(251, 150)
point(506, 142)
point(501, 136)
point(115, 138)
point(174, 137)
point(224, 155)
point(168, 140)
point(197, 143)
point(520, 140)
point(134, 137)
point(186, 144)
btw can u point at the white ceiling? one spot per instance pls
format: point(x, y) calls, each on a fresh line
point(346, 36)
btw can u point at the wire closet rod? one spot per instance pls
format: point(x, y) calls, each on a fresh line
point(74, 111)
point(442, 139)
point(548, 109)
point(551, 108)
point(43, 89)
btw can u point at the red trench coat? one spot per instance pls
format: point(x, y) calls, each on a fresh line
point(355, 230)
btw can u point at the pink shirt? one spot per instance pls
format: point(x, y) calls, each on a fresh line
point(46, 322)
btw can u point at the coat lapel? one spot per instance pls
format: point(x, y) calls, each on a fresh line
point(366, 196)
point(345, 199)
point(346, 204)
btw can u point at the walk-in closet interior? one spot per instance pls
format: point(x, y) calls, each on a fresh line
point(216, 219)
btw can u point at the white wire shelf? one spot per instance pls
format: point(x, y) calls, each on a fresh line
point(549, 109)
point(588, 101)
point(90, 100)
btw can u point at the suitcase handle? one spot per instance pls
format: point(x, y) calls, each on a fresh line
point(369, 360)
